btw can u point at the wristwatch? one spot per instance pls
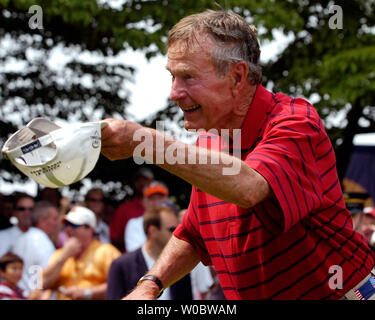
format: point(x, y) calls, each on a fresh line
point(154, 279)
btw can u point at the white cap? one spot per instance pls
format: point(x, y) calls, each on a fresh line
point(81, 216)
point(54, 156)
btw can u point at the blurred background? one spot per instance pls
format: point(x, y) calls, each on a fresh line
point(92, 59)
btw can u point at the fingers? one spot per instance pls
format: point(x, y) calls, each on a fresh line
point(117, 139)
point(107, 131)
point(108, 153)
point(72, 247)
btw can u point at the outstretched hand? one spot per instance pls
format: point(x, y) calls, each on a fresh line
point(117, 138)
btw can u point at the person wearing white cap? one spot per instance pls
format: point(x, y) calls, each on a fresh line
point(79, 269)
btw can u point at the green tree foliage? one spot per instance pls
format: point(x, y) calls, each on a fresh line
point(334, 65)
point(92, 84)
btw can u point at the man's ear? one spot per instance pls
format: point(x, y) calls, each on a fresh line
point(152, 231)
point(238, 74)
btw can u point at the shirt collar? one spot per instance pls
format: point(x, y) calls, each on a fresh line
point(148, 259)
point(260, 106)
point(254, 121)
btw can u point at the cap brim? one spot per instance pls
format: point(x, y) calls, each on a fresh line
point(65, 219)
point(43, 125)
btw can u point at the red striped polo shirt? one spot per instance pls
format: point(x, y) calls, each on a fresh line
point(291, 245)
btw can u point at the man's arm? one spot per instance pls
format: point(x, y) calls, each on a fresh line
point(177, 259)
point(51, 273)
point(245, 187)
point(94, 293)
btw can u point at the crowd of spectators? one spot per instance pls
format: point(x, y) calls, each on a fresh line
point(53, 248)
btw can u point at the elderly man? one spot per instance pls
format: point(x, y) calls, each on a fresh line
point(274, 227)
point(79, 269)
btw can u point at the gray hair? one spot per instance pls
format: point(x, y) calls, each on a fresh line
point(235, 40)
point(40, 211)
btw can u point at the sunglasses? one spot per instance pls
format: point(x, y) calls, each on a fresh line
point(20, 208)
point(72, 225)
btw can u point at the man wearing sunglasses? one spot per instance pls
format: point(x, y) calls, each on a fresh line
point(95, 201)
point(79, 269)
point(159, 223)
point(23, 205)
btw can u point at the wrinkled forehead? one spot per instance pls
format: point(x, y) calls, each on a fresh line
point(24, 201)
point(193, 44)
point(183, 56)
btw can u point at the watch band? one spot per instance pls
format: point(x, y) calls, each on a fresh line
point(154, 279)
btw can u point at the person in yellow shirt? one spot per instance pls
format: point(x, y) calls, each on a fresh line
point(79, 269)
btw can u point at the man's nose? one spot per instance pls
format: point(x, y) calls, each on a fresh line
point(178, 90)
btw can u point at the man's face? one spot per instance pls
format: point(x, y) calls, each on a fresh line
point(367, 227)
point(22, 212)
point(50, 224)
point(95, 202)
point(153, 200)
point(357, 219)
point(83, 233)
point(168, 223)
point(204, 96)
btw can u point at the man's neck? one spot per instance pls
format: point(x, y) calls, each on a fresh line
point(43, 229)
point(247, 100)
point(152, 250)
point(240, 113)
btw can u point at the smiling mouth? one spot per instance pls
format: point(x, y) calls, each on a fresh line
point(192, 108)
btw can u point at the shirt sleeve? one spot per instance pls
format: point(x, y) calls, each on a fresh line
point(54, 256)
point(64, 270)
point(105, 256)
point(286, 158)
